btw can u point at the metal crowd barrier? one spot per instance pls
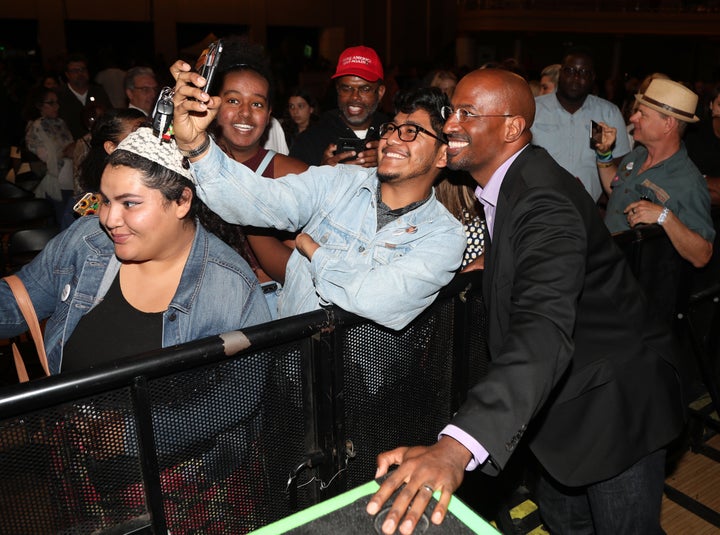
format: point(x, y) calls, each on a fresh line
point(230, 433)
point(688, 299)
point(663, 274)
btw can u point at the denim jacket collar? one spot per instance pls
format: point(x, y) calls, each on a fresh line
point(419, 214)
point(194, 269)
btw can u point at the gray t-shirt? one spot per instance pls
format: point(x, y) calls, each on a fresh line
point(674, 183)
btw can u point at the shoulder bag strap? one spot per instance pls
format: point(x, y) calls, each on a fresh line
point(28, 311)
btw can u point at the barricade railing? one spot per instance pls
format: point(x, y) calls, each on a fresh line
point(661, 271)
point(232, 432)
point(687, 298)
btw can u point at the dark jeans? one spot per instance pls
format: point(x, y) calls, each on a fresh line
point(628, 504)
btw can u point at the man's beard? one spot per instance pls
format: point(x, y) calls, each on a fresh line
point(358, 121)
point(456, 164)
point(385, 178)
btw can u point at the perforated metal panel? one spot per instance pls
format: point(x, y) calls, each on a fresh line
point(189, 441)
point(397, 387)
point(66, 470)
point(226, 438)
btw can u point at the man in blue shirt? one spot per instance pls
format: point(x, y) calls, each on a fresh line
point(375, 242)
point(562, 121)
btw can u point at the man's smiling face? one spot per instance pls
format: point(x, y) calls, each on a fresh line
point(358, 99)
point(400, 160)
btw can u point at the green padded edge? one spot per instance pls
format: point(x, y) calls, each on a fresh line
point(456, 507)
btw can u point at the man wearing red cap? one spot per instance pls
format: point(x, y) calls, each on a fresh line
point(360, 88)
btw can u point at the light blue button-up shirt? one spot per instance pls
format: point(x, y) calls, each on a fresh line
point(566, 136)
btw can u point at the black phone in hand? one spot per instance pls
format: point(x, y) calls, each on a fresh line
point(346, 144)
point(595, 134)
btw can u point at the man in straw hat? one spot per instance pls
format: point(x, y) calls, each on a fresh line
point(657, 182)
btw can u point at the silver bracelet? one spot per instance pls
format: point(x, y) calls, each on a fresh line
point(663, 216)
point(194, 153)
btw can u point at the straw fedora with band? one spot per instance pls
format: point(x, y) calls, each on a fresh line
point(670, 98)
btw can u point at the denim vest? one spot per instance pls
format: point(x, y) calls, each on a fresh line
point(218, 291)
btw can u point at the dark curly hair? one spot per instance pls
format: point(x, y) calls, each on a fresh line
point(109, 127)
point(156, 176)
point(430, 99)
point(172, 185)
point(238, 54)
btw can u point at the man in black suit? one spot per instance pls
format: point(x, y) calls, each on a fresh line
point(579, 368)
point(79, 93)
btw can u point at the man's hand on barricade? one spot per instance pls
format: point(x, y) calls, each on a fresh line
point(422, 470)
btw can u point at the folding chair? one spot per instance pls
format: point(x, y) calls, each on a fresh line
point(24, 245)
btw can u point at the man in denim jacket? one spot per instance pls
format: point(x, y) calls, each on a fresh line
point(375, 242)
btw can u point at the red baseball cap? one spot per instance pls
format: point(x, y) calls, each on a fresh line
point(360, 61)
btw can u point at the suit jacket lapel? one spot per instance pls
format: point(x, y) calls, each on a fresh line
point(502, 212)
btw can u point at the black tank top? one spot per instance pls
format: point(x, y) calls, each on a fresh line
point(111, 330)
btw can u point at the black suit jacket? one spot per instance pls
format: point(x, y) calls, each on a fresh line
point(579, 368)
point(71, 109)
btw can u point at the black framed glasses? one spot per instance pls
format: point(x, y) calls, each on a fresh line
point(462, 115)
point(407, 132)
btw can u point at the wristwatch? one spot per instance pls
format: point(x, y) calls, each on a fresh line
point(663, 216)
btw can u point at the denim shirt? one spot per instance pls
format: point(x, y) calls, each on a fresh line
point(388, 275)
point(218, 291)
point(566, 136)
point(674, 183)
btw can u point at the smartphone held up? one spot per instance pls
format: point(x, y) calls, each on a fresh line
point(206, 66)
point(347, 144)
point(208, 62)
